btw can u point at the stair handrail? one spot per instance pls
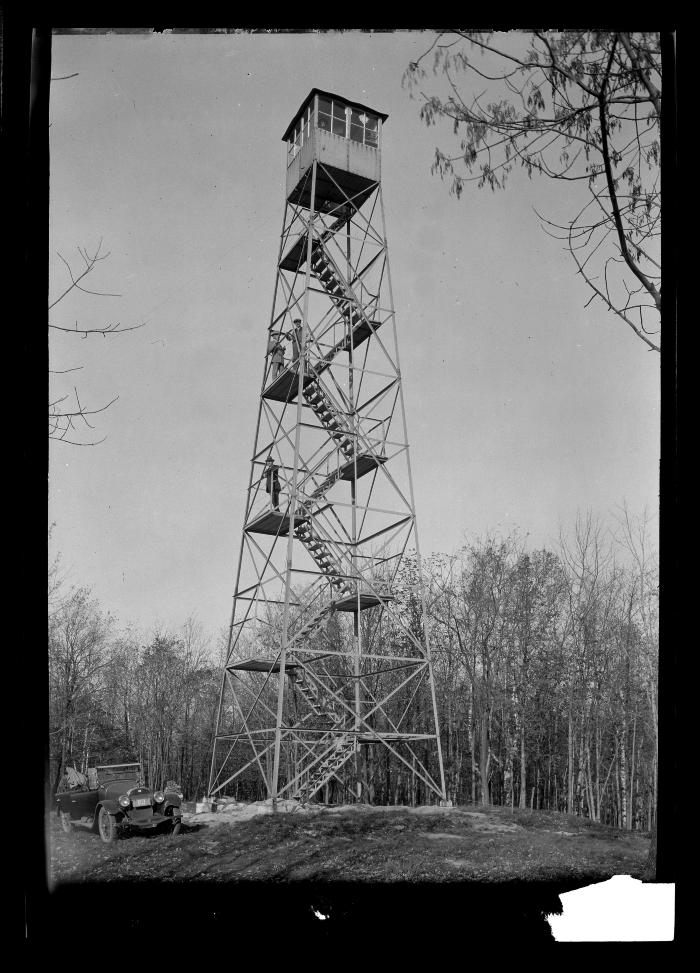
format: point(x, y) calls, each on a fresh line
point(336, 741)
point(340, 557)
point(338, 744)
point(350, 294)
point(357, 434)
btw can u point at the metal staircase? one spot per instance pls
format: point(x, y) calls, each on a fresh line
point(311, 625)
point(295, 258)
point(343, 748)
point(319, 551)
point(323, 488)
point(327, 415)
point(341, 294)
point(310, 693)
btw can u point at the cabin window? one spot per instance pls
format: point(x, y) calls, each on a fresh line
point(300, 135)
point(325, 108)
point(372, 130)
point(363, 127)
point(332, 116)
point(336, 117)
point(294, 143)
point(339, 119)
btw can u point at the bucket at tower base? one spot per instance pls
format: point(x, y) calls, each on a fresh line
point(207, 804)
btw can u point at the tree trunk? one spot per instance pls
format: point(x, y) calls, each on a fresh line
point(623, 779)
point(581, 776)
point(592, 806)
point(570, 769)
point(618, 803)
point(597, 766)
point(484, 756)
point(630, 823)
point(523, 764)
point(472, 746)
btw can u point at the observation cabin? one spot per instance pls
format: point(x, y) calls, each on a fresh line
point(345, 137)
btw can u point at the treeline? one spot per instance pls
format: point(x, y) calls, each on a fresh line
point(546, 674)
point(545, 668)
point(113, 699)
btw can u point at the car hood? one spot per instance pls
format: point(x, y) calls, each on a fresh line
point(117, 787)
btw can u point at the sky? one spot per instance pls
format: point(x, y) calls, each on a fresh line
point(523, 406)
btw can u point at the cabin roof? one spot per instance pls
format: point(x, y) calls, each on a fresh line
point(329, 94)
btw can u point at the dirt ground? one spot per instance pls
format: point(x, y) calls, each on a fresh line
point(243, 843)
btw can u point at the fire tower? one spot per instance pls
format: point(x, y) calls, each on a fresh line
point(326, 671)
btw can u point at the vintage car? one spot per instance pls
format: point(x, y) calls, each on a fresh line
point(113, 798)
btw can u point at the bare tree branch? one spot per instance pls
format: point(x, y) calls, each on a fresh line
point(62, 422)
point(578, 118)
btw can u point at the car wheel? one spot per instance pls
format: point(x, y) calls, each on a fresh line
point(65, 822)
point(177, 825)
point(108, 826)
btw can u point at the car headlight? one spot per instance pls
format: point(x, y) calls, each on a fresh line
point(124, 800)
point(159, 797)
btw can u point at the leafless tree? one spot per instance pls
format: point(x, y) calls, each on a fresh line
point(68, 415)
point(78, 634)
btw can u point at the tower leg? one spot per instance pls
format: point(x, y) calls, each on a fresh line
point(292, 505)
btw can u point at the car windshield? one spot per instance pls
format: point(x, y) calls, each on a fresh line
point(122, 772)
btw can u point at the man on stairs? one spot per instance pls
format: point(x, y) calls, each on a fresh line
point(272, 481)
point(276, 353)
point(295, 336)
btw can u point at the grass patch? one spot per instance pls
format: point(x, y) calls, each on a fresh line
point(364, 845)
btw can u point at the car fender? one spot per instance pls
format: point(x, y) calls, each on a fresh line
point(170, 807)
point(111, 805)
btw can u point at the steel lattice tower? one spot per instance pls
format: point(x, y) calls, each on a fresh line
point(321, 664)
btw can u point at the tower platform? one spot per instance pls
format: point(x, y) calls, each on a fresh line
point(333, 185)
point(360, 333)
point(366, 462)
point(284, 388)
point(367, 600)
point(262, 665)
point(273, 522)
